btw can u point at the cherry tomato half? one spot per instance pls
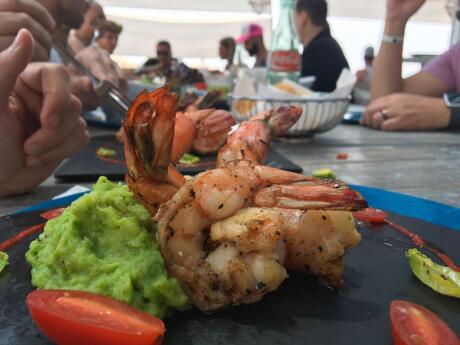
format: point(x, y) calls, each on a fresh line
point(76, 317)
point(342, 156)
point(412, 324)
point(51, 214)
point(371, 215)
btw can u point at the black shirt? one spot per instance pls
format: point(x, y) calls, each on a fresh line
point(324, 59)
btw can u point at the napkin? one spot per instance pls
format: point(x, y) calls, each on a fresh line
point(245, 86)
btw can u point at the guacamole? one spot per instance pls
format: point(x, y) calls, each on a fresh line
point(105, 243)
point(3, 261)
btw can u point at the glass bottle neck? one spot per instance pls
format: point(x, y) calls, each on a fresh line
point(286, 17)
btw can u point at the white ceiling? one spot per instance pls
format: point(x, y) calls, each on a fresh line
point(200, 40)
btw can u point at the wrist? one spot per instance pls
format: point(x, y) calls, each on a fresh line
point(454, 110)
point(395, 27)
point(444, 115)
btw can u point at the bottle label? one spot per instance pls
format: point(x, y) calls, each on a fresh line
point(285, 61)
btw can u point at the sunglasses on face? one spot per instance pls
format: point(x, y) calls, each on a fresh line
point(160, 53)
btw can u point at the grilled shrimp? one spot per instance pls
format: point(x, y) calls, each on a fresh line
point(148, 132)
point(227, 244)
point(202, 131)
point(252, 139)
point(230, 235)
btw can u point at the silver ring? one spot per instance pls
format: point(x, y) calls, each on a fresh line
point(384, 114)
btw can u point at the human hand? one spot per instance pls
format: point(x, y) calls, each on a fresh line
point(405, 112)
point(28, 14)
point(401, 10)
point(83, 88)
point(40, 121)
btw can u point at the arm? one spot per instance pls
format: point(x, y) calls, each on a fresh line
point(387, 68)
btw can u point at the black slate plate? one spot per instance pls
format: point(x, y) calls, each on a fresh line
point(86, 166)
point(302, 311)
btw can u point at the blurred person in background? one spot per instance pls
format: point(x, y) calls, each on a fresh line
point(165, 60)
point(322, 56)
point(40, 118)
point(365, 74)
point(107, 38)
point(96, 58)
point(162, 64)
point(69, 14)
point(227, 47)
point(414, 103)
point(362, 91)
point(82, 37)
point(168, 69)
point(253, 38)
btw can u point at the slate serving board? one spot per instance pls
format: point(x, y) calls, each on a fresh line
point(302, 311)
point(87, 166)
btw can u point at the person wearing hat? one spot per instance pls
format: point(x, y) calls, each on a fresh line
point(252, 37)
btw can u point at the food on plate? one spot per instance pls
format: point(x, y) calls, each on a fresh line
point(76, 317)
point(229, 235)
point(189, 159)
point(149, 131)
point(440, 278)
point(5, 245)
point(105, 152)
point(202, 131)
point(293, 88)
point(119, 135)
point(326, 173)
point(371, 215)
point(412, 324)
point(105, 243)
point(244, 107)
point(191, 101)
point(252, 139)
point(4, 261)
point(51, 214)
point(198, 130)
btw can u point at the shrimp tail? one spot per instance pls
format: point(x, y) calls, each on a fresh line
point(149, 133)
point(283, 118)
point(251, 141)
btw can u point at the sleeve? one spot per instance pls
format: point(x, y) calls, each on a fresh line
point(442, 67)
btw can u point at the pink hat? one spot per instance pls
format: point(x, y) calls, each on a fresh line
point(249, 31)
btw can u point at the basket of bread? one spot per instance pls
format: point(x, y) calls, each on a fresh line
point(321, 111)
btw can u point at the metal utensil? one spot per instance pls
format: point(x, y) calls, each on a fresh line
point(111, 97)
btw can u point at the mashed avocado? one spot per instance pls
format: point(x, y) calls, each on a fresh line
point(105, 243)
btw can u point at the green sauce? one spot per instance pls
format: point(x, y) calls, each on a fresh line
point(3, 261)
point(105, 243)
point(325, 174)
point(189, 159)
point(104, 152)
